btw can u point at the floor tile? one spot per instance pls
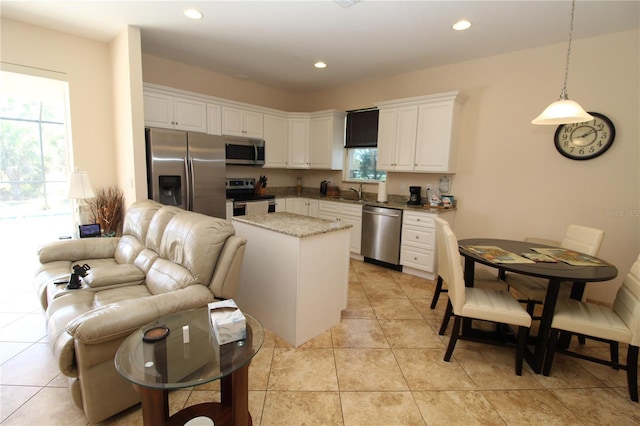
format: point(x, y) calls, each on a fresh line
point(456, 408)
point(395, 309)
point(358, 307)
point(34, 366)
point(10, 349)
point(534, 407)
point(303, 370)
point(302, 408)
point(13, 397)
point(382, 408)
point(600, 406)
point(410, 334)
point(424, 369)
point(45, 405)
point(368, 370)
point(359, 333)
point(28, 328)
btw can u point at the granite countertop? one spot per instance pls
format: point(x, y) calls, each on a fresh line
point(293, 224)
point(390, 204)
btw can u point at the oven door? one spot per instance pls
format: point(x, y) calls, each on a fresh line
point(240, 207)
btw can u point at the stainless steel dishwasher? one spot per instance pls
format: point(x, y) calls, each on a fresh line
point(381, 229)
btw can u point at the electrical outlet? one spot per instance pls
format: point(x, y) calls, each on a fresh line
point(403, 186)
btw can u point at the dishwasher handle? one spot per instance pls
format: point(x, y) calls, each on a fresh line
point(382, 212)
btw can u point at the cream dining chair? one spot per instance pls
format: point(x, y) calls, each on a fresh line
point(620, 324)
point(497, 306)
point(578, 238)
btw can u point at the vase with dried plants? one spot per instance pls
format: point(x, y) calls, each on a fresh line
point(107, 209)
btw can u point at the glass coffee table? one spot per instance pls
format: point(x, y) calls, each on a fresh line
point(163, 363)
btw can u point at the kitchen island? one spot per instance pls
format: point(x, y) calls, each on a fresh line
point(295, 273)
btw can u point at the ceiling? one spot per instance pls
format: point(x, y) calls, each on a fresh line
point(275, 43)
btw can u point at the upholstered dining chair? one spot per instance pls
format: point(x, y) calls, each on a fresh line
point(579, 238)
point(497, 306)
point(618, 325)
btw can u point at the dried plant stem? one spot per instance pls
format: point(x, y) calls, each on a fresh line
point(107, 210)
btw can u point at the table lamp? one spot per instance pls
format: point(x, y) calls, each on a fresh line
point(80, 190)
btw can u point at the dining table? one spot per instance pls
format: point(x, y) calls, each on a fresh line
point(574, 268)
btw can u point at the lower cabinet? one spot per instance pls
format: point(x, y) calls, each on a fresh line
point(418, 247)
point(347, 213)
point(303, 206)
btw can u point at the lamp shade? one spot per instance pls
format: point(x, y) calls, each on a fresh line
point(563, 111)
point(79, 186)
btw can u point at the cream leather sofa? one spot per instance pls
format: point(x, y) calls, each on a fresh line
point(167, 260)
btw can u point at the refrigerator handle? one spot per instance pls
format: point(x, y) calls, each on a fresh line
point(189, 200)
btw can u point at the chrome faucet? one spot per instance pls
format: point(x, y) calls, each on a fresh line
point(357, 191)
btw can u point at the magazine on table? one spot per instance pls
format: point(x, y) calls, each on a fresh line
point(571, 257)
point(496, 254)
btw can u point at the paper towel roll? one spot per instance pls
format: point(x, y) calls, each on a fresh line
point(382, 191)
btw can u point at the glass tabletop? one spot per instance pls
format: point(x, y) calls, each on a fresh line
point(170, 363)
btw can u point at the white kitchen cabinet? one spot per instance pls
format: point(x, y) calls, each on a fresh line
point(298, 143)
point(281, 205)
point(214, 119)
point(326, 142)
point(420, 134)
point(346, 213)
point(316, 140)
point(229, 210)
point(418, 247)
point(397, 129)
point(437, 139)
point(172, 112)
point(303, 206)
point(239, 122)
point(275, 139)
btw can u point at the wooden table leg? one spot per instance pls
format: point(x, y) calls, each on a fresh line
point(545, 324)
point(155, 406)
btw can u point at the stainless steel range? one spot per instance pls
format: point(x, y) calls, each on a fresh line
point(242, 191)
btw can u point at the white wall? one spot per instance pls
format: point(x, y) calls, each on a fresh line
point(87, 65)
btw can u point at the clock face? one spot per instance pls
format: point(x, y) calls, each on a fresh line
point(582, 141)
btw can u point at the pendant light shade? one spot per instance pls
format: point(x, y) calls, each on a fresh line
point(564, 110)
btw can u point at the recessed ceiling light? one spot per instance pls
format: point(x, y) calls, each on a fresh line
point(461, 25)
point(193, 14)
point(320, 64)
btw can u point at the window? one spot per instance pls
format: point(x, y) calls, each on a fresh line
point(361, 157)
point(34, 157)
point(361, 164)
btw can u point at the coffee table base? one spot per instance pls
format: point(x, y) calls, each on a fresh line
point(232, 411)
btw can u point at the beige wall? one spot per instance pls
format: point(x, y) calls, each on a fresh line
point(510, 183)
point(129, 114)
point(87, 65)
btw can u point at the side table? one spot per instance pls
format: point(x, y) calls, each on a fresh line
point(176, 362)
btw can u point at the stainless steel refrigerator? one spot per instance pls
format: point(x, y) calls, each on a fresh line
point(186, 169)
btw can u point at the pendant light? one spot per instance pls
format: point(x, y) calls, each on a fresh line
point(564, 110)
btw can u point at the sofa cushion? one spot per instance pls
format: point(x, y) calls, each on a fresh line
point(109, 275)
point(134, 230)
point(189, 251)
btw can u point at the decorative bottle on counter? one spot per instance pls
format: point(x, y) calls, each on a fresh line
point(299, 186)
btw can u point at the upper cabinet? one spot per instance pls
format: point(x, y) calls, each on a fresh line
point(161, 110)
point(316, 140)
point(238, 122)
point(326, 144)
point(276, 130)
point(420, 134)
point(397, 129)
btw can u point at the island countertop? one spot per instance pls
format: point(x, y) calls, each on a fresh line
point(293, 224)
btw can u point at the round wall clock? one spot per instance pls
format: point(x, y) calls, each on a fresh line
point(582, 141)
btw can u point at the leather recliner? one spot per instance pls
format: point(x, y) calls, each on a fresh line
point(168, 260)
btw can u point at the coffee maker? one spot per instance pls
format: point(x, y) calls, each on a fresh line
point(414, 195)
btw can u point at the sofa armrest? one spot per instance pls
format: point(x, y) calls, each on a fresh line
point(122, 318)
point(226, 276)
point(83, 248)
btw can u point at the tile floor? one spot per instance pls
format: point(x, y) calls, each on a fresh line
point(382, 365)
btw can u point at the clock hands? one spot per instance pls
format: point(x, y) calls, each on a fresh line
point(588, 133)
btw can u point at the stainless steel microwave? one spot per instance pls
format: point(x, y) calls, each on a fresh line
point(244, 151)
